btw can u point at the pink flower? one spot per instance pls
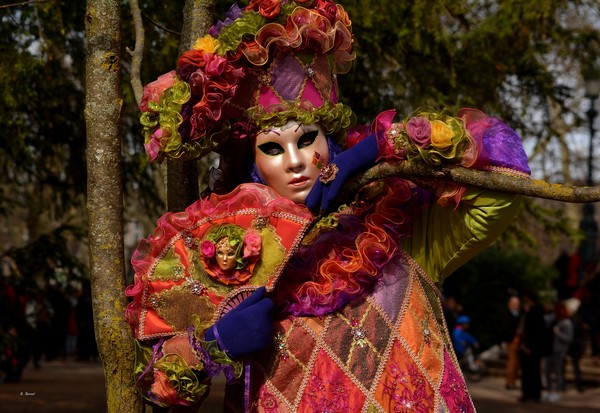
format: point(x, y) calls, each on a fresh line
point(164, 391)
point(207, 248)
point(153, 145)
point(419, 131)
point(153, 90)
point(252, 243)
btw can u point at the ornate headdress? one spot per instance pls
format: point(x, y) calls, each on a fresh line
point(273, 61)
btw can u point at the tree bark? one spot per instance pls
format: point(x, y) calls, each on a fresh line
point(482, 179)
point(105, 202)
point(182, 177)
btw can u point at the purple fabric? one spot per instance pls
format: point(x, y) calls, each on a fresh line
point(210, 367)
point(156, 354)
point(234, 13)
point(219, 341)
point(503, 147)
point(287, 77)
point(246, 385)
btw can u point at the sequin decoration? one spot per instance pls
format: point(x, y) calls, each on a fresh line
point(195, 287)
point(189, 241)
point(282, 347)
point(177, 271)
point(359, 333)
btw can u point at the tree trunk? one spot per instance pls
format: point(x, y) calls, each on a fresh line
point(182, 177)
point(105, 202)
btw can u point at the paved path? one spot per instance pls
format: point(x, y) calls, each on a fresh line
point(70, 387)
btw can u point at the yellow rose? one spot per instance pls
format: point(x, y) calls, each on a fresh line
point(441, 135)
point(207, 43)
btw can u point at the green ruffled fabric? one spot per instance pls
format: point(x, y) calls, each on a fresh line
point(245, 26)
point(333, 118)
point(212, 348)
point(166, 115)
point(218, 356)
point(180, 376)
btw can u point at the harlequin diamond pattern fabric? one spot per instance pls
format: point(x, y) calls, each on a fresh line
point(379, 355)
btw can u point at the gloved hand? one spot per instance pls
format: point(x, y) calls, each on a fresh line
point(245, 329)
point(355, 159)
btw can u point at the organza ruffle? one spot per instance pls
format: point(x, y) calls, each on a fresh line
point(343, 260)
point(305, 31)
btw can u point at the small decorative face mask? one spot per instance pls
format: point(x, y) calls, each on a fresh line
point(285, 156)
point(225, 255)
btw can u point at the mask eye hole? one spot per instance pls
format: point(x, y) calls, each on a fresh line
point(271, 148)
point(307, 139)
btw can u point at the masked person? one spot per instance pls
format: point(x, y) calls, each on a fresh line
point(347, 317)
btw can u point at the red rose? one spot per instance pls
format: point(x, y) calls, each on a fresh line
point(267, 8)
point(327, 8)
point(270, 8)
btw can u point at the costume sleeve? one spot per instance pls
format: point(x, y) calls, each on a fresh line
point(445, 238)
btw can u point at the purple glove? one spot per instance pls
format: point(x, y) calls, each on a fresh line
point(355, 159)
point(245, 329)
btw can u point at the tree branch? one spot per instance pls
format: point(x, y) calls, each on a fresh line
point(138, 52)
point(23, 3)
point(482, 179)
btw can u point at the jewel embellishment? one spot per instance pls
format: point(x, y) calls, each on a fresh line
point(260, 222)
point(264, 78)
point(177, 271)
point(426, 332)
point(282, 347)
point(195, 287)
point(189, 241)
point(154, 301)
point(359, 334)
point(310, 71)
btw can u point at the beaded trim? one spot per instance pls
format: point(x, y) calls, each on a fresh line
point(507, 171)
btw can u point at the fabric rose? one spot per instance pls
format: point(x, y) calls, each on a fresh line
point(153, 145)
point(163, 390)
point(441, 135)
point(267, 8)
point(207, 44)
point(207, 248)
point(327, 8)
point(243, 130)
point(153, 90)
point(252, 243)
point(419, 131)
